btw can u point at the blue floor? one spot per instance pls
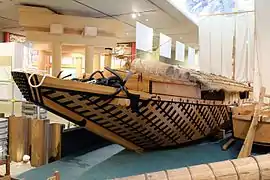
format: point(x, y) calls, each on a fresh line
point(113, 161)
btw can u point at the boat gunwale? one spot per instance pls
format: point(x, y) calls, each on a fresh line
point(67, 84)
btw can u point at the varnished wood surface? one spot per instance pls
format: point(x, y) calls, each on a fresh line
point(157, 121)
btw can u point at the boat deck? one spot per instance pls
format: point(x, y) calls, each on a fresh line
point(114, 161)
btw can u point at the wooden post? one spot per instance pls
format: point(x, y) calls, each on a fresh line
point(233, 52)
point(56, 176)
point(39, 142)
point(247, 146)
point(18, 136)
point(55, 141)
point(7, 165)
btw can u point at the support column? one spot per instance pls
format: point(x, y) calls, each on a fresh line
point(78, 66)
point(97, 62)
point(108, 58)
point(89, 59)
point(41, 60)
point(56, 58)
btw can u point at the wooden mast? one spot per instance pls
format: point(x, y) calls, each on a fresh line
point(247, 146)
point(233, 51)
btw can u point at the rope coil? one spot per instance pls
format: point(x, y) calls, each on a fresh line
point(40, 83)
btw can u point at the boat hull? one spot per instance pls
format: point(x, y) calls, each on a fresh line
point(241, 126)
point(157, 123)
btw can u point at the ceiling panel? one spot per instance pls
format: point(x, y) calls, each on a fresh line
point(157, 14)
point(117, 7)
point(157, 19)
point(68, 7)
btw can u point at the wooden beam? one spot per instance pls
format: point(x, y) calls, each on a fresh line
point(98, 41)
point(83, 87)
point(247, 146)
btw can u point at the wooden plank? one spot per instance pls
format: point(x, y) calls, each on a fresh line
point(18, 137)
point(85, 87)
point(245, 109)
point(38, 142)
point(175, 90)
point(241, 127)
point(226, 146)
point(247, 146)
point(93, 127)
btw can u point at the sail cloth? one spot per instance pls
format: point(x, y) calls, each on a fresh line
point(216, 41)
point(216, 45)
point(262, 44)
point(244, 47)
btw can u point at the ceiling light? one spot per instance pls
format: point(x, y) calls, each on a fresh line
point(126, 33)
point(133, 15)
point(139, 14)
point(146, 20)
point(180, 38)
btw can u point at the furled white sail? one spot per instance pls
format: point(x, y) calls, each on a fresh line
point(216, 34)
point(262, 45)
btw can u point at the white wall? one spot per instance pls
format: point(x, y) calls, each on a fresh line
point(13, 52)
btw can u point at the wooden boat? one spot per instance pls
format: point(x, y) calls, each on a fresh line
point(242, 117)
point(142, 112)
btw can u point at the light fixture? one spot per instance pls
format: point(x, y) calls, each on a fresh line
point(180, 38)
point(127, 33)
point(133, 15)
point(146, 20)
point(139, 14)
